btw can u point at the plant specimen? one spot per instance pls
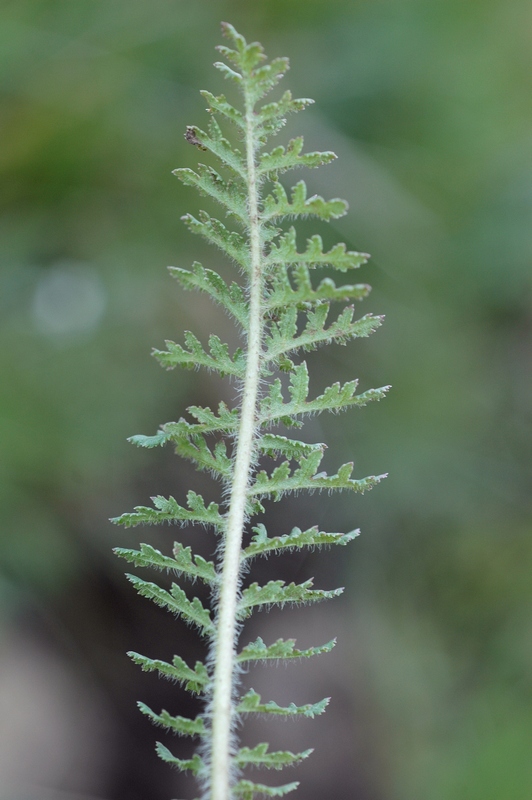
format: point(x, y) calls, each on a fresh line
point(281, 313)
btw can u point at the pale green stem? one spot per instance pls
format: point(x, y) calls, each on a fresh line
point(226, 633)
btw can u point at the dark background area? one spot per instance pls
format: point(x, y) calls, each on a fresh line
point(427, 104)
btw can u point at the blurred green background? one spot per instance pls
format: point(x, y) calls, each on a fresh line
point(428, 106)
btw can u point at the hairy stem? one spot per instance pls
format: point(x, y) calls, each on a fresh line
point(226, 632)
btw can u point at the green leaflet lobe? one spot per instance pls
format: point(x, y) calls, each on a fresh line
point(195, 680)
point(282, 648)
point(181, 725)
point(260, 757)
point(169, 510)
point(251, 703)
point(177, 602)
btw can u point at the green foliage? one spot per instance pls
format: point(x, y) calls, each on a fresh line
point(291, 316)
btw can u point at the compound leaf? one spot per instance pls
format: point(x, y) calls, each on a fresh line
point(280, 311)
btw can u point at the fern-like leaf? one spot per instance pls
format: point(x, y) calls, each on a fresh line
point(281, 312)
point(285, 252)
